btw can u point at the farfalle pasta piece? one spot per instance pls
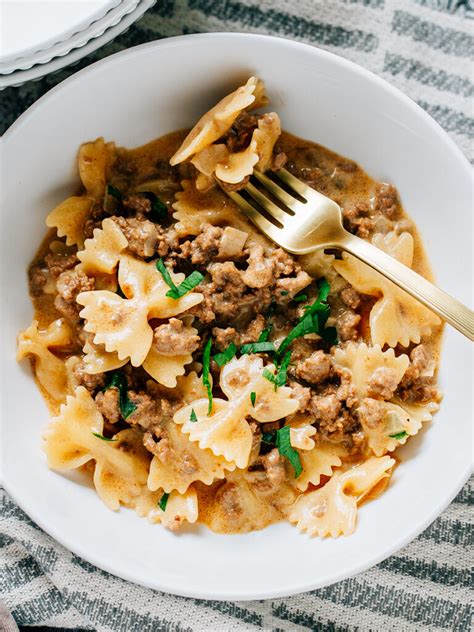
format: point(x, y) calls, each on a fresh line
point(396, 317)
point(68, 218)
point(332, 509)
point(234, 167)
point(101, 253)
point(49, 369)
point(165, 369)
point(320, 461)
point(300, 437)
point(179, 508)
point(318, 264)
point(121, 465)
point(241, 504)
point(93, 161)
point(98, 360)
point(121, 324)
point(226, 431)
point(390, 424)
point(217, 121)
point(184, 463)
point(361, 361)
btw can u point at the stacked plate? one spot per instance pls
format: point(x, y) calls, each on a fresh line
point(38, 37)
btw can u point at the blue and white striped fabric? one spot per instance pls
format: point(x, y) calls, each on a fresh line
point(425, 47)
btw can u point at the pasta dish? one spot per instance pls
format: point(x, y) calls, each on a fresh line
point(198, 372)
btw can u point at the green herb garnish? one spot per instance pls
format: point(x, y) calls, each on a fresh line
point(265, 333)
point(178, 291)
point(279, 378)
point(312, 321)
point(119, 380)
point(285, 448)
point(226, 356)
point(253, 397)
point(281, 439)
point(399, 435)
point(193, 416)
point(100, 436)
point(258, 347)
point(114, 192)
point(163, 501)
point(299, 298)
point(159, 210)
point(206, 360)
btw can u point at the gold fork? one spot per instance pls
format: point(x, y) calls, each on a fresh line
point(307, 221)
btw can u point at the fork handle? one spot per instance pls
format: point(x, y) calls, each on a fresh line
point(447, 307)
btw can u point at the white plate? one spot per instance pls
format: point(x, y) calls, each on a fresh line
point(83, 43)
point(143, 93)
point(30, 27)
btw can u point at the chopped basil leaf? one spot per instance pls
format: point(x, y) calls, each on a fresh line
point(100, 436)
point(159, 210)
point(119, 380)
point(160, 266)
point(206, 360)
point(267, 374)
point(193, 416)
point(177, 291)
point(282, 369)
point(285, 448)
point(399, 435)
point(186, 286)
point(265, 333)
point(258, 347)
point(299, 298)
point(284, 292)
point(163, 501)
point(278, 379)
point(226, 356)
point(114, 192)
point(312, 321)
point(253, 397)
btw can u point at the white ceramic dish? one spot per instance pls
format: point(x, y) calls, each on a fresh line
point(31, 27)
point(98, 34)
point(62, 46)
point(145, 92)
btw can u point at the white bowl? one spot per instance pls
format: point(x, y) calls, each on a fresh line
point(145, 92)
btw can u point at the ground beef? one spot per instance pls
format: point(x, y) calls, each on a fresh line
point(302, 394)
point(279, 161)
point(348, 325)
point(253, 330)
point(386, 200)
point(315, 368)
point(108, 404)
point(239, 135)
point(417, 385)
point(228, 186)
point(292, 285)
point(382, 383)
point(353, 216)
point(204, 247)
point(157, 442)
point(91, 382)
point(60, 263)
point(38, 280)
point(147, 413)
point(270, 470)
point(172, 339)
point(137, 205)
point(261, 269)
point(350, 297)
point(325, 408)
point(68, 310)
point(144, 237)
point(371, 412)
point(222, 337)
point(72, 282)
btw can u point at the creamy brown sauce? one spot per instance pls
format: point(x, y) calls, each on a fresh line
point(337, 177)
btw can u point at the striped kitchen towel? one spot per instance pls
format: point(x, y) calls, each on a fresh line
point(424, 47)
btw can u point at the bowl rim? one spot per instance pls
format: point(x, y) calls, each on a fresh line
point(370, 561)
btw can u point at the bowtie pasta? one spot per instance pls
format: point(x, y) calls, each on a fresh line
point(199, 373)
